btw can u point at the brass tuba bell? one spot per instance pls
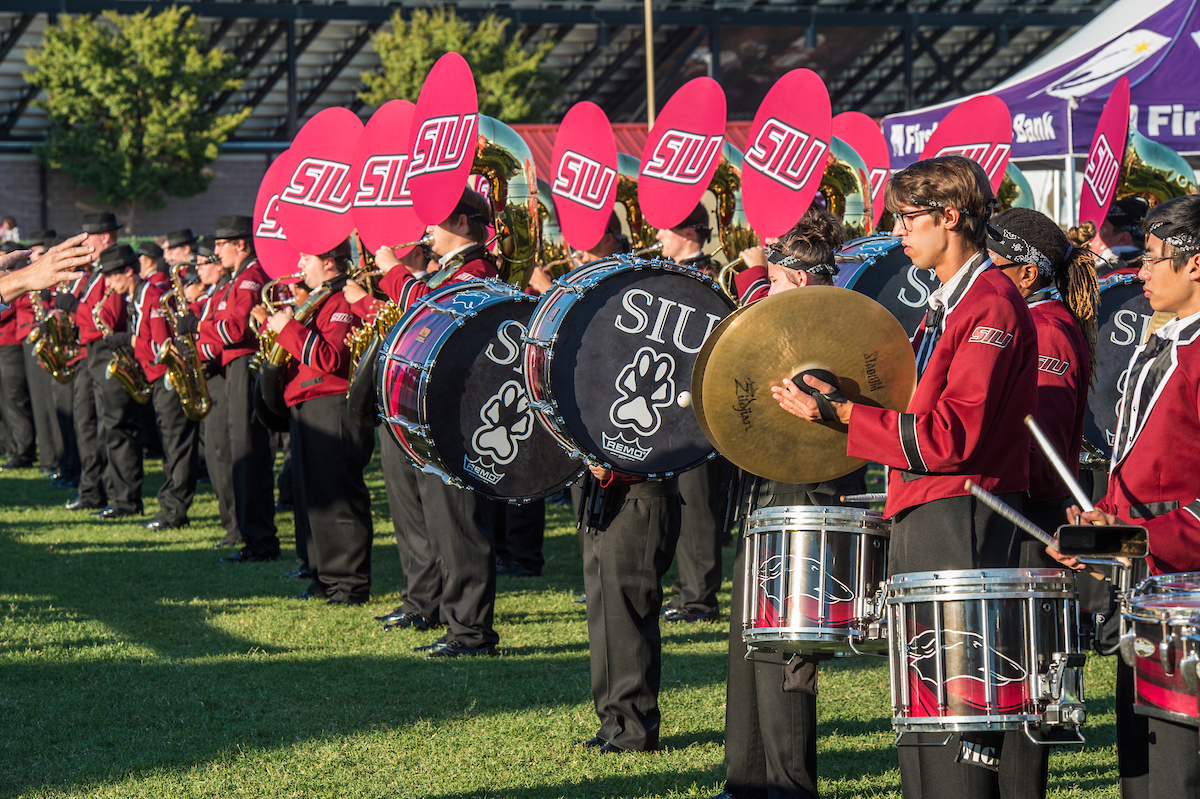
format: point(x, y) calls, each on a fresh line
point(1152, 171)
point(847, 189)
point(504, 159)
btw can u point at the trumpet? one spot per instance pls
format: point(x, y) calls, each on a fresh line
point(651, 251)
point(268, 292)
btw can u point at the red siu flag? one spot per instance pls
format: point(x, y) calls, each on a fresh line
point(271, 245)
point(584, 169)
point(1103, 170)
point(980, 129)
point(383, 211)
point(682, 152)
point(786, 152)
point(442, 139)
point(865, 137)
point(315, 205)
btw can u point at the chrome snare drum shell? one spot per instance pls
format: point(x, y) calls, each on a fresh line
point(1158, 624)
point(812, 576)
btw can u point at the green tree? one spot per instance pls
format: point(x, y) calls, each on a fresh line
point(512, 85)
point(126, 98)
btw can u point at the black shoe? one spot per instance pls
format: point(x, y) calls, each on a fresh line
point(457, 649)
point(109, 512)
point(228, 541)
point(284, 507)
point(510, 568)
point(244, 555)
point(79, 503)
point(157, 525)
point(609, 749)
point(301, 573)
point(580, 600)
point(675, 615)
point(590, 743)
point(406, 621)
point(65, 482)
point(438, 644)
point(14, 463)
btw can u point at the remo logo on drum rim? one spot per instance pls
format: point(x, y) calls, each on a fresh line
point(442, 138)
point(1103, 169)
point(864, 136)
point(980, 129)
point(786, 153)
point(584, 169)
point(315, 205)
point(383, 211)
point(271, 245)
point(682, 153)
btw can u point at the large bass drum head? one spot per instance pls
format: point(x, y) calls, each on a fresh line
point(478, 412)
point(622, 368)
point(1122, 325)
point(877, 267)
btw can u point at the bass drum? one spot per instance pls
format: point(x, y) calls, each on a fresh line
point(609, 357)
point(1122, 324)
point(451, 394)
point(877, 266)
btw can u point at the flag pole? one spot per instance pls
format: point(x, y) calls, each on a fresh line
point(650, 106)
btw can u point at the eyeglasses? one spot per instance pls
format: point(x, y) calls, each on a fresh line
point(1146, 260)
point(905, 217)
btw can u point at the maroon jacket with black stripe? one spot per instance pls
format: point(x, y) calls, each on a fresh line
point(1154, 479)
point(149, 327)
point(320, 362)
point(228, 327)
point(404, 289)
point(966, 418)
point(204, 307)
point(752, 284)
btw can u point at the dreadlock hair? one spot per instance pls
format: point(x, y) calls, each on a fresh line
point(1074, 268)
point(813, 240)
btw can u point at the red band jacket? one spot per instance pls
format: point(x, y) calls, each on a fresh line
point(203, 308)
point(149, 327)
point(1154, 479)
point(1064, 368)
point(92, 290)
point(752, 284)
point(402, 288)
point(227, 329)
point(320, 362)
point(26, 321)
point(8, 326)
point(966, 418)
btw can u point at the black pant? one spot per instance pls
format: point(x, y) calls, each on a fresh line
point(520, 531)
point(92, 456)
point(64, 413)
point(248, 444)
point(951, 533)
point(285, 482)
point(626, 554)
point(460, 529)
point(17, 408)
point(423, 575)
point(181, 454)
point(216, 456)
point(703, 492)
point(45, 420)
point(117, 419)
point(333, 506)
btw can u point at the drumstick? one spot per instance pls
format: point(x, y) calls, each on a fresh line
point(1052, 455)
point(1010, 513)
point(864, 497)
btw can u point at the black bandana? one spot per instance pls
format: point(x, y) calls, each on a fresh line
point(1018, 250)
point(1177, 237)
point(791, 262)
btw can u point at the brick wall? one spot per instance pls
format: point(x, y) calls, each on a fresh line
point(232, 191)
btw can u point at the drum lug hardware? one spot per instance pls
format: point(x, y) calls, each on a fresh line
point(1125, 644)
point(1065, 707)
point(1164, 655)
point(1191, 677)
point(537, 342)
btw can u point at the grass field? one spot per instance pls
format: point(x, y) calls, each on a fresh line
point(136, 665)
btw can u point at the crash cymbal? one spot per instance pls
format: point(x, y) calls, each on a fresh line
point(697, 387)
point(817, 327)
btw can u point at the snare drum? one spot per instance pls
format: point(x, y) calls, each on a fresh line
point(452, 394)
point(1158, 618)
point(812, 575)
point(609, 357)
point(985, 650)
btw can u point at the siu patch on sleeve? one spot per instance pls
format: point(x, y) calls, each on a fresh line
point(342, 317)
point(990, 335)
point(250, 285)
point(1052, 365)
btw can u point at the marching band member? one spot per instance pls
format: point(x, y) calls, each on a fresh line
point(703, 490)
point(771, 707)
point(17, 410)
point(42, 396)
point(464, 542)
point(1153, 482)
point(1119, 241)
point(181, 246)
point(329, 449)
point(148, 332)
point(1031, 250)
point(151, 265)
point(977, 380)
point(245, 440)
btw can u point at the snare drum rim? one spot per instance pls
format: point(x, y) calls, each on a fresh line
point(1172, 616)
point(960, 584)
point(854, 266)
point(835, 518)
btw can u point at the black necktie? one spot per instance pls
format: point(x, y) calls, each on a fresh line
point(933, 331)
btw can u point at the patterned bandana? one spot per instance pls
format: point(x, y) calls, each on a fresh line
point(1176, 237)
point(1016, 249)
point(791, 262)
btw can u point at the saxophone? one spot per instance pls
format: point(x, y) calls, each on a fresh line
point(181, 356)
point(123, 366)
point(55, 339)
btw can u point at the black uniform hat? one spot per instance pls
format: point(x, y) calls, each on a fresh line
point(205, 247)
point(178, 238)
point(10, 246)
point(116, 258)
point(232, 226)
point(150, 249)
point(43, 237)
point(99, 223)
point(1128, 213)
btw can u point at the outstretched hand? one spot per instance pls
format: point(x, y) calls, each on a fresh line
point(60, 263)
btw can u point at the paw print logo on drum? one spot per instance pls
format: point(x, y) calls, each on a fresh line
point(507, 421)
point(644, 386)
